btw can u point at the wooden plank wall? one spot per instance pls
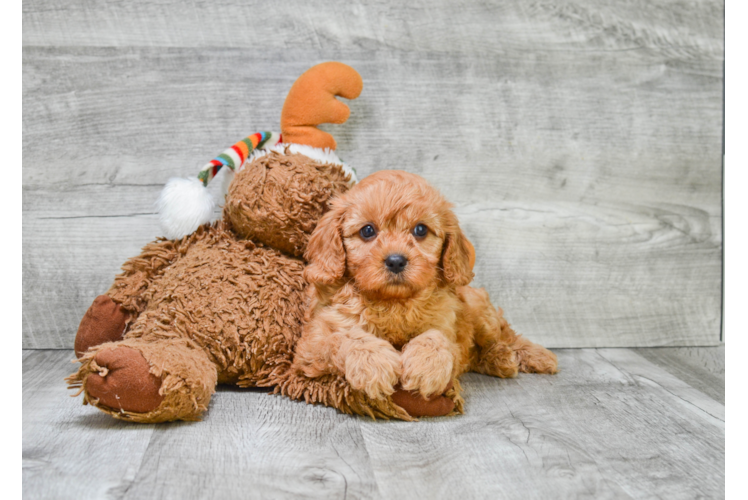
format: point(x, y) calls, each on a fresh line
point(580, 141)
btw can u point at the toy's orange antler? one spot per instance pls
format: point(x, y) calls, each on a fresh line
point(311, 101)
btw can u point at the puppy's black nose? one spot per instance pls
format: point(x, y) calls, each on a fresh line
point(396, 263)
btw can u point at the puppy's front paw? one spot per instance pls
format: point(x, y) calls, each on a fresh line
point(428, 361)
point(373, 369)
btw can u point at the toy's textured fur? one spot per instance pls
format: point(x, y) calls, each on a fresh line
point(281, 197)
point(422, 327)
point(216, 306)
point(187, 377)
point(324, 156)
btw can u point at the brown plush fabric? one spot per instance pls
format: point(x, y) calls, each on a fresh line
point(278, 199)
point(240, 302)
point(132, 289)
point(418, 406)
point(332, 391)
point(188, 379)
point(105, 321)
point(123, 380)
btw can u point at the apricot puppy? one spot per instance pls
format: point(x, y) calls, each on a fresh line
point(390, 302)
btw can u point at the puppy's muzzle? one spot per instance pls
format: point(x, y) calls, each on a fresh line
point(396, 263)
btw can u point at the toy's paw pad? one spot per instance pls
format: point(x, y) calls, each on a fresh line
point(105, 321)
point(123, 381)
point(418, 406)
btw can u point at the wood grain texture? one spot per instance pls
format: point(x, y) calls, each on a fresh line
point(703, 368)
point(260, 447)
point(68, 450)
point(580, 142)
point(609, 425)
point(597, 430)
point(681, 29)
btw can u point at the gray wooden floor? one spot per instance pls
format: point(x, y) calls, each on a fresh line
point(614, 423)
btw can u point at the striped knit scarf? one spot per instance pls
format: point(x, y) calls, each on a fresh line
point(234, 156)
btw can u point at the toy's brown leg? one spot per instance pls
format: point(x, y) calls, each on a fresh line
point(418, 406)
point(147, 380)
point(105, 321)
point(122, 380)
point(108, 316)
point(332, 390)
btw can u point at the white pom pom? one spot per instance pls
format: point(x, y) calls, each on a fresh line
point(183, 206)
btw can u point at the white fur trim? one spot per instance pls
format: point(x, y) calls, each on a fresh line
point(349, 170)
point(320, 155)
point(227, 175)
point(183, 206)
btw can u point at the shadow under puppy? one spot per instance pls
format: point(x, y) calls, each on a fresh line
point(390, 303)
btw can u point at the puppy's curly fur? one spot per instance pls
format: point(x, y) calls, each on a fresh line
point(416, 324)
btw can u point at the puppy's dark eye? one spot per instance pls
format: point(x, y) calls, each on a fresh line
point(368, 232)
point(420, 231)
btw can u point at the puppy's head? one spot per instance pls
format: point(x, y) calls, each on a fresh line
point(394, 235)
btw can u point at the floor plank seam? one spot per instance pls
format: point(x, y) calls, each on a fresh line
point(681, 398)
point(371, 463)
point(131, 482)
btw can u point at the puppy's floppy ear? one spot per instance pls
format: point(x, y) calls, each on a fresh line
point(458, 255)
point(325, 251)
